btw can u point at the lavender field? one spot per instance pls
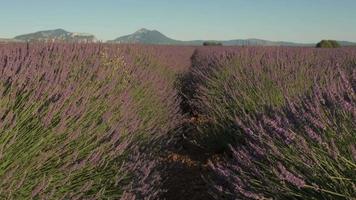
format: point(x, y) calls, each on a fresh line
point(114, 121)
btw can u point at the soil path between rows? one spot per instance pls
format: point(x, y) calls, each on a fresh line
point(187, 168)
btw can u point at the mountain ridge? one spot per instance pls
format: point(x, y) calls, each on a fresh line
point(56, 35)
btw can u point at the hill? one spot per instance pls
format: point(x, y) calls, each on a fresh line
point(145, 36)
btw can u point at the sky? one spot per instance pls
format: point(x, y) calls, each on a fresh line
point(278, 20)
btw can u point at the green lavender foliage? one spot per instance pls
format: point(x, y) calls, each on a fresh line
point(82, 121)
point(283, 117)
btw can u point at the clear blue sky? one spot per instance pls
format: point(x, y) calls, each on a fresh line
point(288, 20)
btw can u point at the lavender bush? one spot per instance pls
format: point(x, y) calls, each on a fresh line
point(83, 121)
point(284, 117)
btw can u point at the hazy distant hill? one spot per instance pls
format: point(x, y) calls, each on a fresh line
point(346, 43)
point(57, 35)
point(259, 42)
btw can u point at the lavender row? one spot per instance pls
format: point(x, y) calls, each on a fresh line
point(284, 117)
point(83, 121)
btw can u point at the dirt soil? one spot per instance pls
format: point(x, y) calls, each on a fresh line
point(186, 165)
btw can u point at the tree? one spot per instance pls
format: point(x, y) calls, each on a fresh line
point(328, 44)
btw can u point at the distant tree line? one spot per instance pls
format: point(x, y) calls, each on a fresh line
point(328, 44)
point(212, 43)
